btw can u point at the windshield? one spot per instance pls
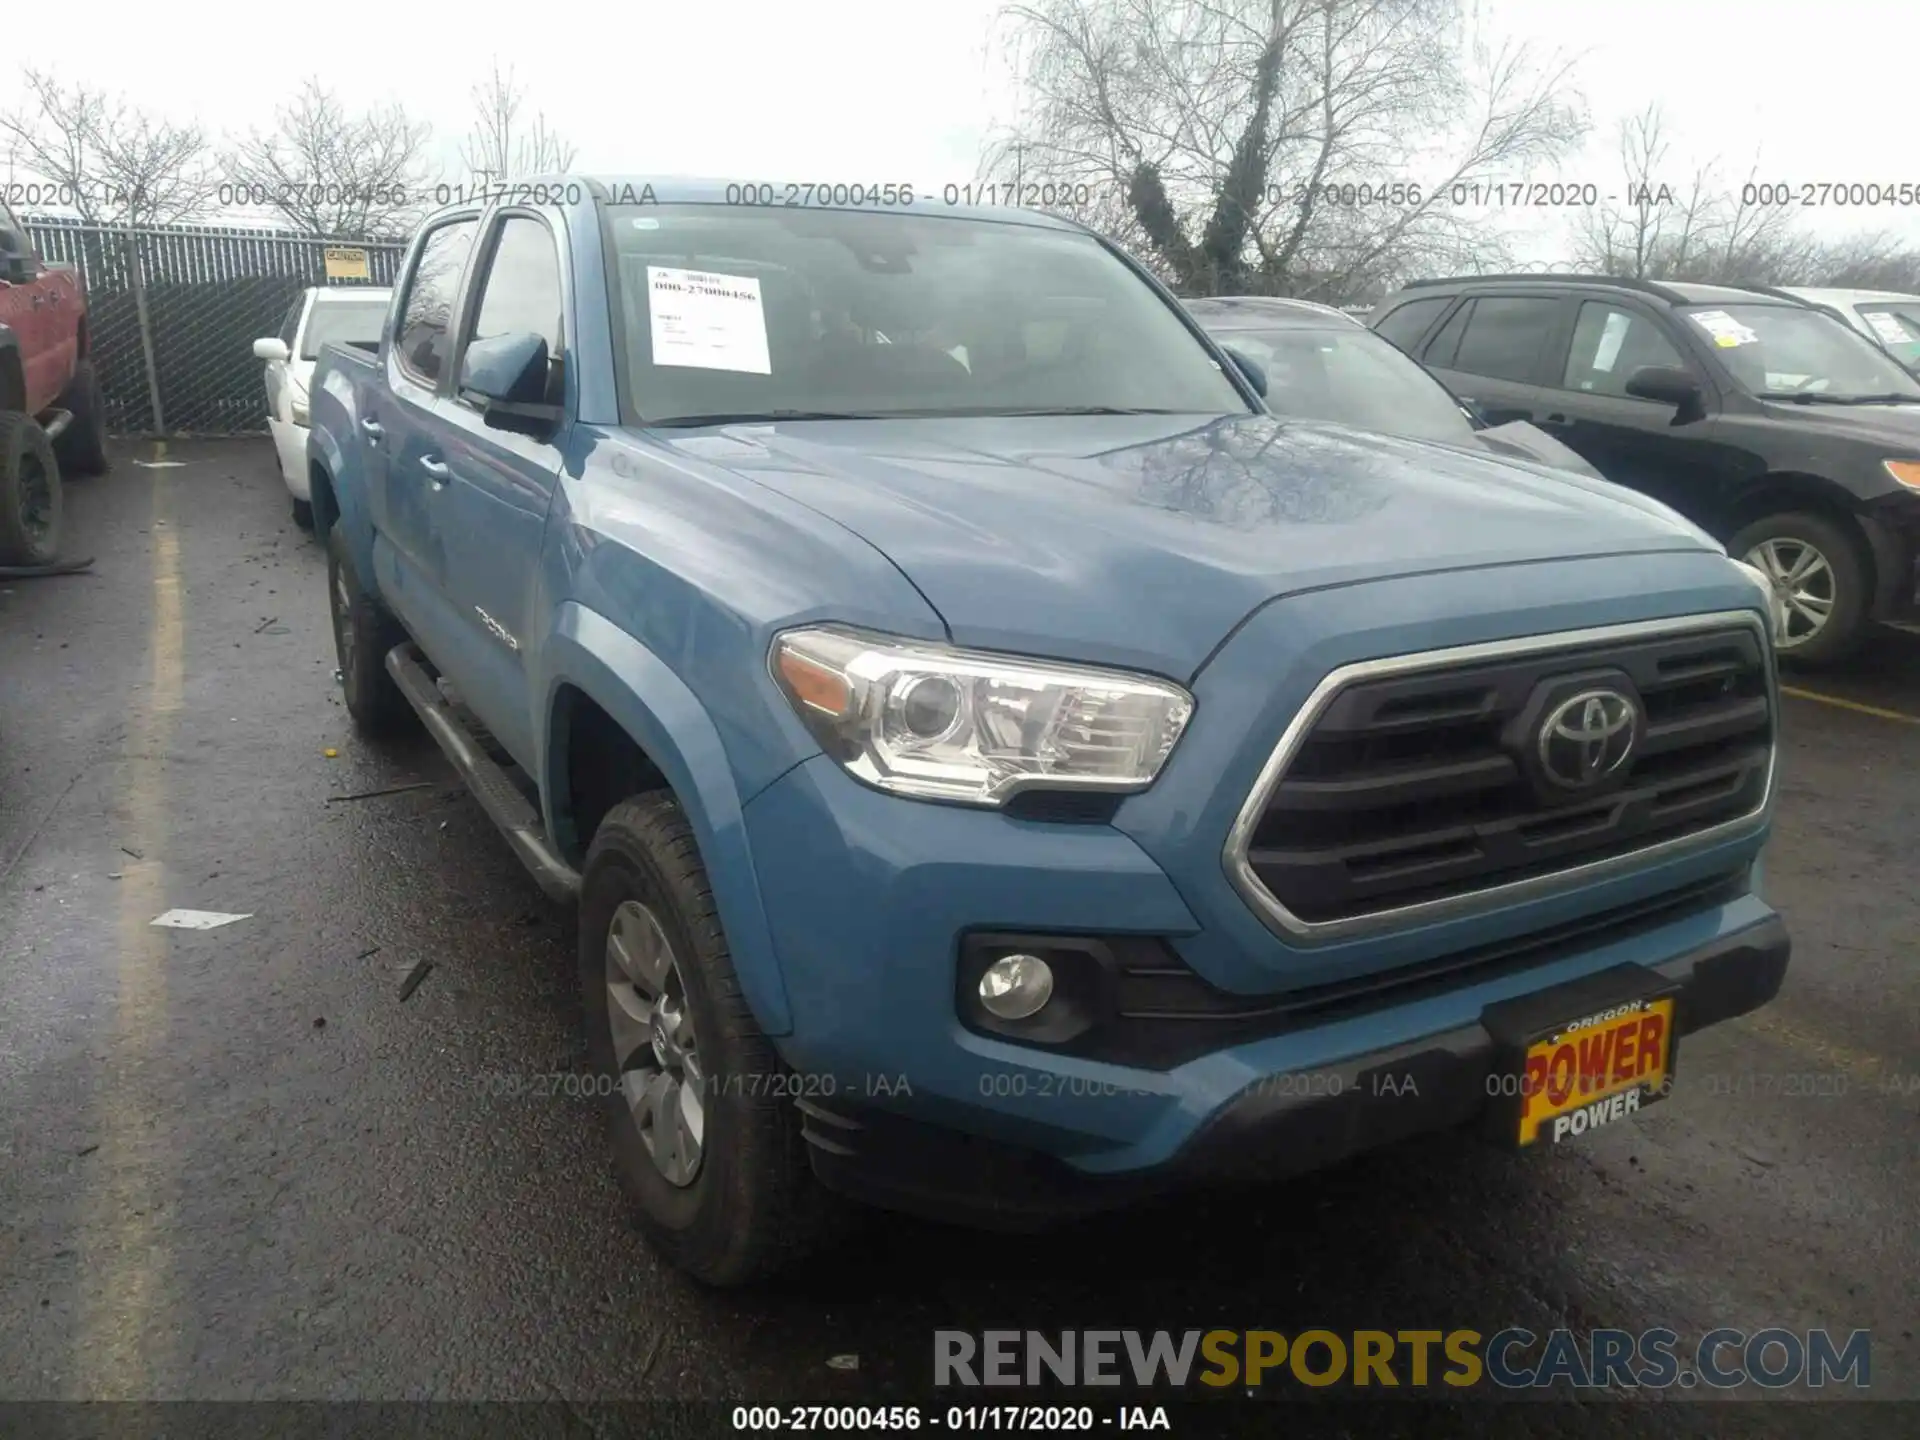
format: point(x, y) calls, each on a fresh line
point(1897, 324)
point(733, 312)
point(1787, 351)
point(342, 322)
point(1351, 376)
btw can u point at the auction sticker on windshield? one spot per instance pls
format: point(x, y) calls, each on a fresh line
point(1891, 328)
point(1596, 1070)
point(1726, 331)
point(707, 321)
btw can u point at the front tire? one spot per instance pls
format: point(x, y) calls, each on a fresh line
point(82, 447)
point(30, 498)
point(363, 633)
point(1821, 571)
point(303, 514)
point(706, 1139)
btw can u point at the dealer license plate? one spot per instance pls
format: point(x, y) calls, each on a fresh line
point(1598, 1070)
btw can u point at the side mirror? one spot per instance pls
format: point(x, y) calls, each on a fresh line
point(271, 348)
point(1249, 367)
point(19, 267)
point(506, 376)
point(1669, 384)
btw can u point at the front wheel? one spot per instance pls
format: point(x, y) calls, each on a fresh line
point(705, 1137)
point(1820, 572)
point(30, 501)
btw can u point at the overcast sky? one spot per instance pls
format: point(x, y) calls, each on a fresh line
point(880, 90)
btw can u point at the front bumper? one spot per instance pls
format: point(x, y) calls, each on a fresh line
point(871, 898)
point(1892, 528)
point(1281, 1125)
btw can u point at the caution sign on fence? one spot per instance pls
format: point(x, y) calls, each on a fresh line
point(345, 263)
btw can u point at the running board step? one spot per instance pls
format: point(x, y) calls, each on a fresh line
point(491, 785)
point(55, 423)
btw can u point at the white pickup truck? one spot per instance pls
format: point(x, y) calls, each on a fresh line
point(319, 316)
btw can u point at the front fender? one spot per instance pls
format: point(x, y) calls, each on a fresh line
point(654, 706)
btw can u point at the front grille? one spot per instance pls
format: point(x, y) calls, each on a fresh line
point(1421, 781)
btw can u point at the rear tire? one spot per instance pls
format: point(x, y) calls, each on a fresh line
point(82, 447)
point(747, 1204)
point(363, 633)
point(1822, 571)
point(30, 499)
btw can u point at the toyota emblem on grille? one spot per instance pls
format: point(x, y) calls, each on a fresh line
point(1588, 737)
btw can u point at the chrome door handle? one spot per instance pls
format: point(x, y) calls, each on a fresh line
point(436, 472)
point(373, 430)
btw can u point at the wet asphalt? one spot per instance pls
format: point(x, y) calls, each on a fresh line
point(237, 1164)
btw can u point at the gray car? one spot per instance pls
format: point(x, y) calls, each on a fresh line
point(1319, 363)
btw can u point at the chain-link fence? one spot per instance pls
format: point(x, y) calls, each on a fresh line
point(210, 292)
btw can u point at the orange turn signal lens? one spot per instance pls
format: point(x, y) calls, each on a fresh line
point(1907, 472)
point(813, 684)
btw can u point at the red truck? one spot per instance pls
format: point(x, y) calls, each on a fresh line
point(50, 410)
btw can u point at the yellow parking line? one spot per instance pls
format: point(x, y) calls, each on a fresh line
point(126, 1309)
point(1853, 705)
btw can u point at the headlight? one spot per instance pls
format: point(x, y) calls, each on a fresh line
point(1776, 602)
point(925, 720)
point(1907, 472)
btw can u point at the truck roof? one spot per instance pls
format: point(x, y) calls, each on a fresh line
point(636, 189)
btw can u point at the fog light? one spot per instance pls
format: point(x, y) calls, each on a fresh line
point(1016, 986)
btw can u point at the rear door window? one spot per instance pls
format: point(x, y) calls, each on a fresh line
point(1405, 324)
point(1505, 336)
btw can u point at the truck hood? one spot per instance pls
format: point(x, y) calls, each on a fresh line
point(1143, 540)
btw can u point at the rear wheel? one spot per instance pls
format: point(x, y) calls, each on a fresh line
point(30, 501)
point(363, 633)
point(1820, 572)
point(706, 1140)
point(82, 447)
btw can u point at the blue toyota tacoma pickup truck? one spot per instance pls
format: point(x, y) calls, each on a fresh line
point(1002, 769)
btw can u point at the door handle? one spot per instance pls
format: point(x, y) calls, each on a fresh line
point(436, 472)
point(1556, 420)
point(373, 431)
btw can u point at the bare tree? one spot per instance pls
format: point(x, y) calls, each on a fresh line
point(327, 172)
point(118, 164)
point(502, 144)
point(1698, 229)
point(1311, 147)
point(1873, 261)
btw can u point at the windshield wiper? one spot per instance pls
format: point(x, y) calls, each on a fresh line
point(757, 417)
point(1823, 397)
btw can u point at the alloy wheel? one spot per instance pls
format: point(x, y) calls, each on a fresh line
point(1803, 580)
point(654, 1042)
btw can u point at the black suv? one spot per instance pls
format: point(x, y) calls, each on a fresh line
point(1775, 426)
